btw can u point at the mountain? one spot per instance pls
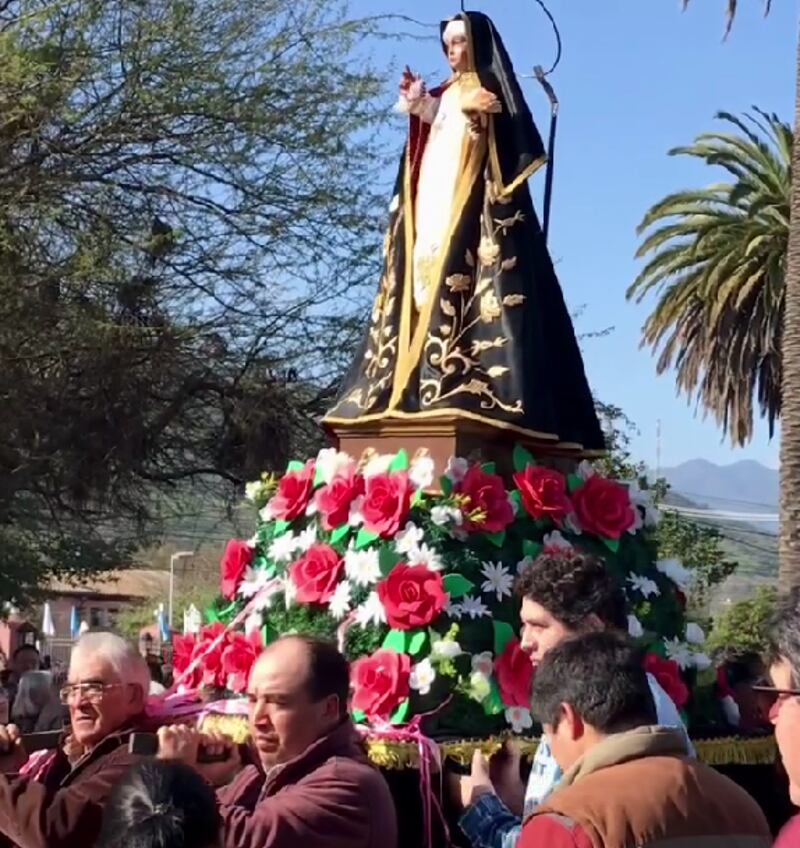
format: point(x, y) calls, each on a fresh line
point(745, 486)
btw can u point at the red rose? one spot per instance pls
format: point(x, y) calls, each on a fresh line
point(668, 675)
point(484, 502)
point(544, 493)
point(316, 574)
point(387, 501)
point(334, 500)
point(182, 650)
point(603, 508)
point(210, 668)
point(514, 672)
point(294, 493)
point(238, 657)
point(237, 557)
point(380, 683)
point(412, 596)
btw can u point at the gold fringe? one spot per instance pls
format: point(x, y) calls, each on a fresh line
point(730, 750)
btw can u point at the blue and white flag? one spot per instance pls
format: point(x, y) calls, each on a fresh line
point(74, 623)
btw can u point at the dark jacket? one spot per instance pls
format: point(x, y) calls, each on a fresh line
point(65, 808)
point(329, 796)
point(639, 788)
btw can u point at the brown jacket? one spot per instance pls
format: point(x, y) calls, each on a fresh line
point(329, 796)
point(65, 808)
point(639, 788)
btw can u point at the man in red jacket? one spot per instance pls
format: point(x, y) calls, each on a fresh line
point(627, 781)
point(313, 784)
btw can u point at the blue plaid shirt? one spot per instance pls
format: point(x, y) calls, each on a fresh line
point(488, 823)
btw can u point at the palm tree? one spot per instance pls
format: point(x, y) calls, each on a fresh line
point(789, 574)
point(717, 263)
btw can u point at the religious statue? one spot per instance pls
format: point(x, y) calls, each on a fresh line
point(469, 323)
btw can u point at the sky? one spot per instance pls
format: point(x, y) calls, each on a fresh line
point(637, 77)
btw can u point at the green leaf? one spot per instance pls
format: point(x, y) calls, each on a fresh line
point(365, 538)
point(280, 527)
point(401, 713)
point(387, 559)
point(319, 477)
point(516, 497)
point(210, 615)
point(493, 704)
point(446, 485)
point(268, 634)
point(503, 634)
point(396, 640)
point(340, 534)
point(359, 717)
point(522, 458)
point(574, 481)
point(400, 462)
point(295, 465)
point(531, 549)
point(416, 500)
point(497, 539)
point(612, 545)
point(417, 642)
point(456, 585)
point(489, 467)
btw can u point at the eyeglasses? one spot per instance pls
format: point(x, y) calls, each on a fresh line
point(780, 697)
point(93, 692)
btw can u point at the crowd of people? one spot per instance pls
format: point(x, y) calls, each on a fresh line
point(615, 766)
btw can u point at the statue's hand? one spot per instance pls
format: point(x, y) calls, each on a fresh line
point(412, 86)
point(481, 100)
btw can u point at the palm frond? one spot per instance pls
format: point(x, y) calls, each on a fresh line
point(730, 13)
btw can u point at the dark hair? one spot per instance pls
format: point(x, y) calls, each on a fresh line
point(20, 648)
point(784, 632)
point(328, 670)
point(161, 805)
point(600, 675)
point(573, 586)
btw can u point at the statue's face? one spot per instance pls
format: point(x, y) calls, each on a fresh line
point(458, 53)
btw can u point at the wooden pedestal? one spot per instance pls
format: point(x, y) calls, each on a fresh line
point(441, 438)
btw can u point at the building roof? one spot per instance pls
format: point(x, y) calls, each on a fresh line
point(129, 583)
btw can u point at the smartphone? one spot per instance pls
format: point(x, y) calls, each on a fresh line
point(146, 745)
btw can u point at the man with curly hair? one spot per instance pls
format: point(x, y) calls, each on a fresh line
point(564, 594)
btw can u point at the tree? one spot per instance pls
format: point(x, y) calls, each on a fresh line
point(189, 213)
point(717, 261)
point(744, 628)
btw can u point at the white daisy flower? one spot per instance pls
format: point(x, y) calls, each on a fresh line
point(356, 516)
point(371, 611)
point(304, 540)
point(331, 462)
point(680, 652)
point(483, 663)
point(701, 661)
point(421, 472)
point(524, 563)
point(253, 622)
point(643, 499)
point(453, 610)
point(378, 465)
point(519, 718)
point(643, 585)
point(362, 567)
point(422, 676)
point(480, 686)
point(254, 580)
point(498, 580)
point(456, 468)
point(677, 572)
point(694, 634)
point(339, 604)
point(408, 538)
point(252, 490)
point(282, 547)
point(555, 541)
point(635, 629)
point(441, 516)
point(424, 555)
point(473, 607)
point(445, 649)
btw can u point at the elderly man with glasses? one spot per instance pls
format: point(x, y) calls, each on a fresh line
point(59, 803)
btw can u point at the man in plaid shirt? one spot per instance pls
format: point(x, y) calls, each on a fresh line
point(563, 594)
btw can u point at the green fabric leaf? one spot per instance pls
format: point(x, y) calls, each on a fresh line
point(400, 462)
point(210, 615)
point(280, 527)
point(456, 585)
point(340, 534)
point(612, 545)
point(574, 481)
point(446, 485)
point(397, 640)
point(503, 634)
point(268, 634)
point(387, 559)
point(295, 465)
point(319, 477)
point(416, 500)
point(365, 538)
point(522, 458)
point(497, 539)
point(417, 642)
point(531, 549)
point(489, 467)
point(359, 716)
point(516, 498)
point(401, 713)
point(493, 704)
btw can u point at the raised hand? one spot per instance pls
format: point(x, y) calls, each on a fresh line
point(12, 752)
point(412, 85)
point(483, 101)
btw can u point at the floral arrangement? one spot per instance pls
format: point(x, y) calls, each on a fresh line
point(419, 586)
